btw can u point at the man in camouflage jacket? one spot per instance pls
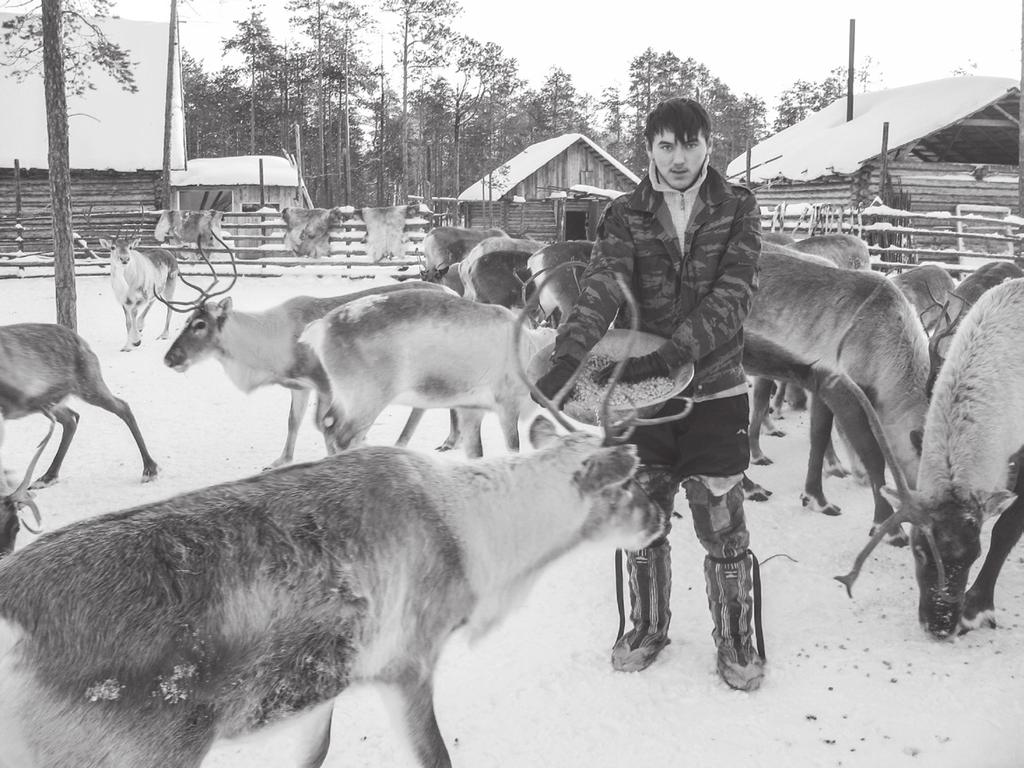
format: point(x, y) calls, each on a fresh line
point(687, 243)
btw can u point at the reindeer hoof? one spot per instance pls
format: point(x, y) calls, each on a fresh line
point(43, 482)
point(761, 461)
point(812, 504)
point(149, 474)
point(837, 470)
point(443, 447)
point(777, 433)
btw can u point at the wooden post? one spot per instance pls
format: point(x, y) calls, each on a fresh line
point(263, 200)
point(884, 171)
point(849, 74)
point(1020, 127)
point(165, 182)
point(17, 188)
point(748, 162)
point(298, 159)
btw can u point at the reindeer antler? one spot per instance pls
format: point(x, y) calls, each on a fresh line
point(907, 511)
point(20, 495)
point(205, 294)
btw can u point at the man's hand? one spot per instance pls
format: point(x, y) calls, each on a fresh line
point(637, 369)
point(551, 382)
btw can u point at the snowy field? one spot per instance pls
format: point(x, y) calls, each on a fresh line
point(849, 682)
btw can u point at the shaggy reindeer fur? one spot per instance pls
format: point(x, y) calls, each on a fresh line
point(974, 426)
point(424, 351)
point(189, 228)
point(137, 638)
point(385, 231)
point(258, 349)
point(307, 231)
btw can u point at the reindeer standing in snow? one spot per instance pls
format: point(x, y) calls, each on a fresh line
point(970, 452)
point(138, 279)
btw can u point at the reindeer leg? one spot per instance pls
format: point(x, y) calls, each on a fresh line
point(758, 412)
point(127, 329)
point(412, 706)
point(142, 316)
point(415, 416)
point(68, 420)
point(780, 398)
point(813, 497)
point(469, 420)
point(168, 295)
point(979, 603)
point(300, 401)
point(834, 467)
point(94, 391)
point(454, 433)
point(509, 420)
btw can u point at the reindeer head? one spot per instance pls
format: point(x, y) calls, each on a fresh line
point(945, 533)
point(200, 337)
point(121, 249)
point(945, 539)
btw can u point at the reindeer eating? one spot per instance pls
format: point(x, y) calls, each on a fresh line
point(970, 455)
point(138, 280)
point(227, 609)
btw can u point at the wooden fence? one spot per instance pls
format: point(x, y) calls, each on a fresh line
point(898, 239)
point(254, 236)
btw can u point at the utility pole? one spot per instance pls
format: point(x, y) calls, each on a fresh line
point(849, 73)
point(172, 42)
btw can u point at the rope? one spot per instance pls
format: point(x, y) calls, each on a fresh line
point(619, 599)
point(756, 578)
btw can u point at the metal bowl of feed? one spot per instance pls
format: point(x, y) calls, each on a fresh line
point(645, 397)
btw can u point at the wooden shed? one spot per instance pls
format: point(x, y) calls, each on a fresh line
point(948, 143)
point(552, 190)
point(115, 137)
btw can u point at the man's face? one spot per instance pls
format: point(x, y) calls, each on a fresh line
point(678, 162)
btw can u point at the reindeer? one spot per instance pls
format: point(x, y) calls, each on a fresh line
point(191, 229)
point(258, 349)
point(41, 365)
point(971, 451)
point(843, 251)
point(557, 296)
point(856, 322)
point(425, 351)
point(444, 247)
point(221, 611)
point(958, 302)
point(138, 280)
point(927, 286)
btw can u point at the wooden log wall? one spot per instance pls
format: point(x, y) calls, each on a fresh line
point(98, 191)
point(535, 219)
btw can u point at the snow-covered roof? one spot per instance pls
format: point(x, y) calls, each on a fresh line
point(109, 128)
point(232, 171)
point(531, 159)
point(824, 142)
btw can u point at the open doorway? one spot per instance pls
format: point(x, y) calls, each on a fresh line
point(575, 225)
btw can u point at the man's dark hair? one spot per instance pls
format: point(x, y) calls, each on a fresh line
point(684, 117)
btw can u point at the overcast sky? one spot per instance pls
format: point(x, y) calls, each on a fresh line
point(754, 46)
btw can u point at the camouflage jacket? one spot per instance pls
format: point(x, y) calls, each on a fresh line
point(698, 299)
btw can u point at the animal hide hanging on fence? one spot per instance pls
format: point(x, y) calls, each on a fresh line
point(385, 232)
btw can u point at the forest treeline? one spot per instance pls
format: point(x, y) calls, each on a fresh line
point(439, 109)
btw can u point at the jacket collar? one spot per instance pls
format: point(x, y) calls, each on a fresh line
point(713, 192)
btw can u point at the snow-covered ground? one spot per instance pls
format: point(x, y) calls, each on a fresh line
point(850, 682)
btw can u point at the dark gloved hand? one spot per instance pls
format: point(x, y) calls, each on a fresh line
point(551, 382)
point(637, 369)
